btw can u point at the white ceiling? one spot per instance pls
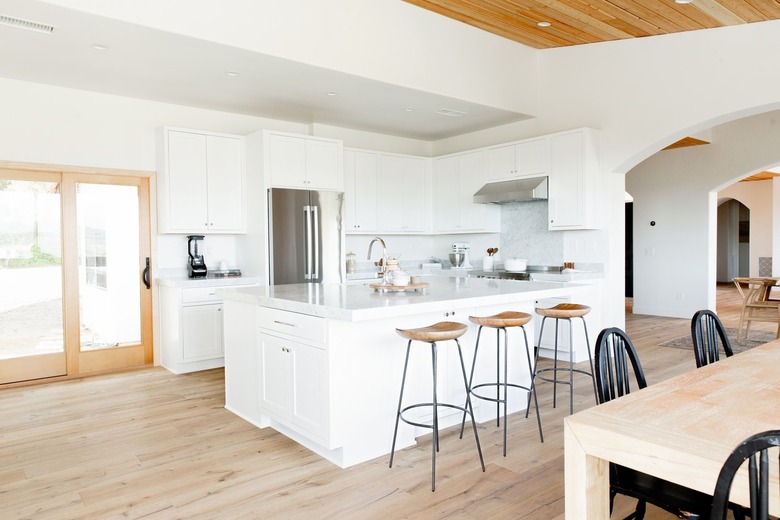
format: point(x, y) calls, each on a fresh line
point(145, 63)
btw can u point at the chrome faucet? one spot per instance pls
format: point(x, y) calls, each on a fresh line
point(383, 271)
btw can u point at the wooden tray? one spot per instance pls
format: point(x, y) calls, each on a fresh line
point(380, 287)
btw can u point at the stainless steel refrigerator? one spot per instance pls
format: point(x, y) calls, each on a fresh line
point(306, 236)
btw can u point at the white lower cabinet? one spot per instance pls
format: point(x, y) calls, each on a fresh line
point(293, 367)
point(191, 328)
point(293, 383)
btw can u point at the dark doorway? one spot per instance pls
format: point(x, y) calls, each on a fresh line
point(629, 249)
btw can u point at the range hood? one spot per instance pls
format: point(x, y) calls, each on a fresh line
point(505, 192)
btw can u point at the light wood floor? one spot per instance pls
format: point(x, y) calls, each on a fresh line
point(148, 444)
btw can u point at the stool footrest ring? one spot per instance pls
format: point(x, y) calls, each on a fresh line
point(493, 399)
point(430, 405)
point(556, 370)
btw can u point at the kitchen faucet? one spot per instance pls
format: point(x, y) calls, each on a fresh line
point(383, 271)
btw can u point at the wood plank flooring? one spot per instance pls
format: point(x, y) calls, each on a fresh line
point(149, 444)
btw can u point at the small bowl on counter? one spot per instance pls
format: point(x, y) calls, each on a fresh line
point(399, 277)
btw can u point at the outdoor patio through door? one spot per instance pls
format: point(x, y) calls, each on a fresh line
point(73, 248)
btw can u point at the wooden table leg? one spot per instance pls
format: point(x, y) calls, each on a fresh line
point(586, 480)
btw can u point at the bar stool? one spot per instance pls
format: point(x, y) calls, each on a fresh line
point(442, 331)
point(501, 322)
point(567, 312)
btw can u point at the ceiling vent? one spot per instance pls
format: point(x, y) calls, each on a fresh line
point(450, 113)
point(26, 24)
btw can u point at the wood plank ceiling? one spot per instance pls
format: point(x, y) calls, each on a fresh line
point(576, 22)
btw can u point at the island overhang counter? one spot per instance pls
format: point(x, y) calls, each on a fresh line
point(322, 363)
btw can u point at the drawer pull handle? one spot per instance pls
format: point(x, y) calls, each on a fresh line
point(285, 323)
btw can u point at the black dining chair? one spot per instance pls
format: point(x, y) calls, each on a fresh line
point(615, 359)
point(709, 337)
point(754, 449)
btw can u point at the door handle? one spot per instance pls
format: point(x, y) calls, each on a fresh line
point(146, 273)
point(308, 245)
point(316, 225)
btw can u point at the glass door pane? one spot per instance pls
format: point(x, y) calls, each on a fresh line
point(31, 319)
point(108, 248)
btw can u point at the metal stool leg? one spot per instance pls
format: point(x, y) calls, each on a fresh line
point(468, 404)
point(555, 367)
point(471, 377)
point(590, 360)
point(435, 444)
point(400, 400)
point(532, 388)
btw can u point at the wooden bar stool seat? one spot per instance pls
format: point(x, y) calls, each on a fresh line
point(564, 312)
point(501, 322)
point(502, 319)
point(442, 331)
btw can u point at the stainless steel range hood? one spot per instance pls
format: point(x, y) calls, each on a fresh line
point(505, 192)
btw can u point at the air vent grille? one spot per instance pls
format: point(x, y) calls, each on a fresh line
point(26, 24)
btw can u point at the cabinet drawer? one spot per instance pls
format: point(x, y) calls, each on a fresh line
point(301, 326)
point(195, 295)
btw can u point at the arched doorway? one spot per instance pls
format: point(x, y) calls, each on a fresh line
point(733, 249)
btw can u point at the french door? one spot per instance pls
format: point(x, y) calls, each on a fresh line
point(73, 252)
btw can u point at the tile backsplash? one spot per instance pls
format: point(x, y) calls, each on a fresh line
point(524, 234)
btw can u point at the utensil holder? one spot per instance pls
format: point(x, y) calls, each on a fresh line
point(487, 263)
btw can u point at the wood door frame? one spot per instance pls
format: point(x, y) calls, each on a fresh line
point(80, 363)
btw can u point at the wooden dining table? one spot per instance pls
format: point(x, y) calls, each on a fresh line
point(681, 429)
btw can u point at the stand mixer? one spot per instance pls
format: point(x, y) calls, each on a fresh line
point(462, 248)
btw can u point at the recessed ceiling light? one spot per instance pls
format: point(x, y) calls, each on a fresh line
point(409, 109)
point(330, 93)
point(232, 73)
point(683, 1)
point(544, 24)
point(450, 113)
point(100, 47)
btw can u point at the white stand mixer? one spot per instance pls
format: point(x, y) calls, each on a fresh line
point(464, 248)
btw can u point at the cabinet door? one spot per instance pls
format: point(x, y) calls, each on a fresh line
point(360, 191)
point(186, 188)
point(531, 157)
point(201, 332)
point(226, 200)
point(567, 182)
point(287, 161)
point(275, 362)
point(322, 165)
point(447, 194)
point(501, 162)
point(476, 217)
point(402, 204)
point(309, 407)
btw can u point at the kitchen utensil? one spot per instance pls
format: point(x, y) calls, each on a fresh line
point(462, 247)
point(515, 264)
point(487, 263)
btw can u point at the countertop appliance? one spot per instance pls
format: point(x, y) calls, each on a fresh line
point(196, 265)
point(461, 248)
point(306, 236)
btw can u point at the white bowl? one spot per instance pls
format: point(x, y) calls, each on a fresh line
point(515, 264)
point(400, 278)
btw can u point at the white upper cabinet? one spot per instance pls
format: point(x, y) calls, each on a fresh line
point(516, 160)
point(360, 191)
point(200, 183)
point(455, 180)
point(403, 200)
point(574, 182)
point(305, 162)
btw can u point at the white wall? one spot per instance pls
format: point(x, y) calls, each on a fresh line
point(674, 261)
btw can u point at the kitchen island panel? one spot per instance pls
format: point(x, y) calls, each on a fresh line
point(363, 358)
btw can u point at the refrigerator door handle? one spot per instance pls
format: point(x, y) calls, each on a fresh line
point(316, 217)
point(308, 244)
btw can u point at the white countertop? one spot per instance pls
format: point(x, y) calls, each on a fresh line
point(184, 281)
point(357, 302)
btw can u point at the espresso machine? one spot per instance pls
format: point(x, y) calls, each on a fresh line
point(196, 266)
point(462, 248)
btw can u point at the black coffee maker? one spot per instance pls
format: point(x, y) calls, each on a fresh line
point(196, 267)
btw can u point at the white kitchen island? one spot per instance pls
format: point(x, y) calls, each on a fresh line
point(322, 364)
